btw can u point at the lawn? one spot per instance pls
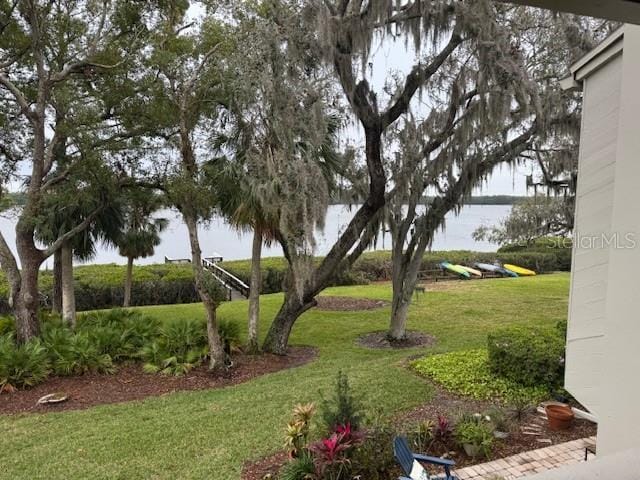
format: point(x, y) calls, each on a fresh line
point(209, 434)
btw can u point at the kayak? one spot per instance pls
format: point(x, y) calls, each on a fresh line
point(519, 270)
point(472, 271)
point(455, 269)
point(488, 267)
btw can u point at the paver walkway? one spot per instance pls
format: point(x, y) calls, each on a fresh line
point(527, 463)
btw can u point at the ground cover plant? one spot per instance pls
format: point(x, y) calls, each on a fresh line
point(212, 433)
point(467, 372)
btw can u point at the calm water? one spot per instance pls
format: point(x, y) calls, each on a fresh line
point(218, 237)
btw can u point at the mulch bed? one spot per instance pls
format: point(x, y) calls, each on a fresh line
point(131, 383)
point(348, 304)
point(380, 340)
point(264, 467)
point(451, 405)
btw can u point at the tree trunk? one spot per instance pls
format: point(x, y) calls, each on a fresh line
point(397, 327)
point(68, 291)
point(127, 283)
point(278, 336)
point(216, 348)
point(26, 303)
point(56, 301)
point(24, 283)
point(254, 292)
point(342, 255)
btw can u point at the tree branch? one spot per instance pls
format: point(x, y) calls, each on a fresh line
point(18, 96)
point(417, 78)
point(71, 233)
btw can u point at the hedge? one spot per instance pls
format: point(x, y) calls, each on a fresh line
point(560, 247)
point(530, 356)
point(102, 286)
point(376, 266)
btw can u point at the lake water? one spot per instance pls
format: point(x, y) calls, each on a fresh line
point(218, 237)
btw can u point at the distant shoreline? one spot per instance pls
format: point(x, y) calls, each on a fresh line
point(12, 199)
point(475, 200)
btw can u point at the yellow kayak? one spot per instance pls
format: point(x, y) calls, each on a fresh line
point(519, 270)
point(472, 271)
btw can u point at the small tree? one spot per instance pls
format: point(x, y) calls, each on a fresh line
point(529, 220)
point(141, 232)
point(185, 67)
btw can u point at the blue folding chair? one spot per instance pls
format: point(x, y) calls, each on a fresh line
point(406, 457)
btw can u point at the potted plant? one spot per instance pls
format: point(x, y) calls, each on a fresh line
point(475, 434)
point(560, 416)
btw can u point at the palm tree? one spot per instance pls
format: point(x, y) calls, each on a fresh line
point(250, 204)
point(60, 214)
point(141, 233)
point(239, 201)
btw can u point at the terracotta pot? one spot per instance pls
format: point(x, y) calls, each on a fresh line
point(560, 416)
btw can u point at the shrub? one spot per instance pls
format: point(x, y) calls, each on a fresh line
point(297, 433)
point(72, 353)
point(181, 346)
point(22, 365)
point(229, 333)
point(119, 333)
point(300, 468)
point(374, 459)
point(467, 372)
point(475, 431)
point(343, 408)
point(528, 356)
point(499, 419)
point(102, 286)
point(331, 455)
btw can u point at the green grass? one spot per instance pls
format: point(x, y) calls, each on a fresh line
point(209, 434)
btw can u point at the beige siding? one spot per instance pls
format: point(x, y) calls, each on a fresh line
point(594, 206)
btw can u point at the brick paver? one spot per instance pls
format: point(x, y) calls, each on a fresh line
point(527, 463)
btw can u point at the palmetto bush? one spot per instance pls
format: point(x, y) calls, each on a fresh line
point(72, 353)
point(22, 365)
point(119, 333)
point(102, 339)
point(180, 346)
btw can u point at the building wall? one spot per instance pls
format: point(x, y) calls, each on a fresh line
point(603, 347)
point(594, 207)
point(619, 427)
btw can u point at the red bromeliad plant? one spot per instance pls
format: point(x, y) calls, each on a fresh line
point(331, 455)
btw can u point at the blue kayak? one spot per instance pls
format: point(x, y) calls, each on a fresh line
point(488, 267)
